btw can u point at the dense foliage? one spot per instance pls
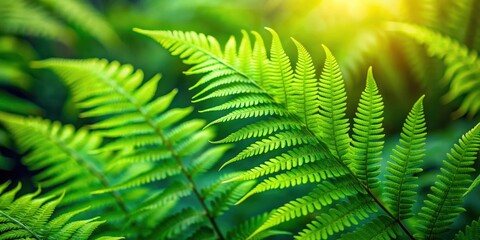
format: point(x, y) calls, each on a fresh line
point(263, 146)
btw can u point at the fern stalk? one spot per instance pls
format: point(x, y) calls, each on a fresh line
point(382, 206)
point(98, 175)
point(172, 151)
point(21, 224)
point(177, 158)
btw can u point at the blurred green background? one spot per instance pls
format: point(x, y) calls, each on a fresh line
point(353, 29)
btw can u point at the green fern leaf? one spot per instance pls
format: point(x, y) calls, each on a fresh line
point(163, 146)
point(84, 16)
point(299, 155)
point(177, 224)
point(233, 193)
point(243, 61)
point(368, 135)
point(381, 227)
point(280, 140)
point(442, 205)
point(323, 195)
point(332, 124)
point(26, 18)
point(287, 161)
point(243, 231)
point(261, 129)
point(343, 215)
point(472, 232)
point(407, 156)
point(475, 184)
point(29, 216)
point(64, 156)
point(306, 104)
point(307, 173)
point(260, 61)
point(462, 65)
point(253, 112)
point(207, 160)
point(279, 74)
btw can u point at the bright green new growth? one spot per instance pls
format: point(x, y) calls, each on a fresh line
point(367, 143)
point(30, 217)
point(304, 133)
point(400, 190)
point(332, 124)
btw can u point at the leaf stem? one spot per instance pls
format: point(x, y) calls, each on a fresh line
point(97, 174)
point(174, 154)
point(21, 224)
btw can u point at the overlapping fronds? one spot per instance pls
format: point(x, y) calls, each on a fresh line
point(26, 18)
point(304, 135)
point(444, 202)
point(406, 159)
point(290, 131)
point(43, 18)
point(462, 65)
point(30, 217)
point(368, 135)
point(164, 148)
point(62, 157)
point(84, 16)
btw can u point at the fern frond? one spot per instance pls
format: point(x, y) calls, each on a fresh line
point(207, 160)
point(368, 135)
point(243, 231)
point(307, 173)
point(280, 140)
point(261, 129)
point(30, 216)
point(332, 123)
point(174, 192)
point(287, 161)
point(474, 184)
point(302, 156)
point(178, 223)
point(63, 155)
point(443, 203)
point(163, 146)
point(87, 18)
point(462, 65)
point(471, 232)
point(26, 18)
point(244, 59)
point(323, 195)
point(233, 192)
point(343, 215)
point(381, 227)
point(279, 74)
point(306, 103)
point(240, 102)
point(260, 61)
point(407, 156)
point(253, 112)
